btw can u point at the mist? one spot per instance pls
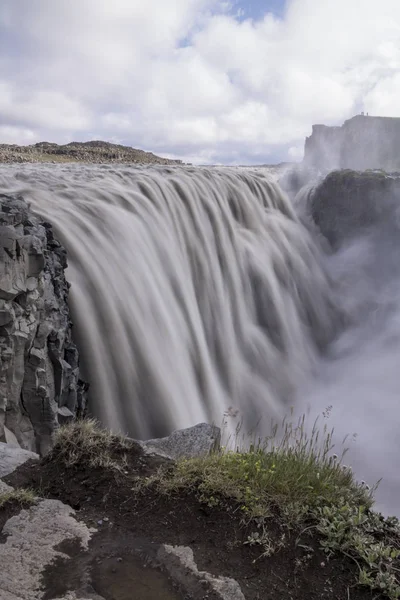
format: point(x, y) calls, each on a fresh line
point(357, 378)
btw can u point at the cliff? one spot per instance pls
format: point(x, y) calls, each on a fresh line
point(97, 152)
point(39, 375)
point(346, 203)
point(361, 143)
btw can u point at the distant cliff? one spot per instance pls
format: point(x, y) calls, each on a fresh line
point(361, 143)
point(87, 152)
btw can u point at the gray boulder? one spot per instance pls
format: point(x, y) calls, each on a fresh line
point(33, 537)
point(4, 488)
point(192, 442)
point(11, 458)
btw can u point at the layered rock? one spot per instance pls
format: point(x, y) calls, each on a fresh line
point(361, 143)
point(39, 374)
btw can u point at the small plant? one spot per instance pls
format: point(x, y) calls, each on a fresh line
point(22, 497)
point(85, 442)
point(371, 541)
point(262, 538)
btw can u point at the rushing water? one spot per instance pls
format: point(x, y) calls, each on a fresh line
point(199, 292)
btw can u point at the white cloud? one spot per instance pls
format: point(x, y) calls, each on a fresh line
point(16, 135)
point(43, 108)
point(189, 77)
point(383, 99)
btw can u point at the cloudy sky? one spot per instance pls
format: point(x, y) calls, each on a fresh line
point(237, 81)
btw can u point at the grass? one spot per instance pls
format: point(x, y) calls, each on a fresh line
point(84, 441)
point(291, 477)
point(294, 477)
point(22, 496)
point(290, 469)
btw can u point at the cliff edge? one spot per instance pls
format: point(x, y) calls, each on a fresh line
point(39, 374)
point(361, 143)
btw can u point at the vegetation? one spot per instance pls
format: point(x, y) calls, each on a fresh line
point(294, 478)
point(22, 497)
point(291, 478)
point(86, 442)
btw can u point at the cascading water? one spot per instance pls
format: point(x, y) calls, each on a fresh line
point(199, 292)
point(193, 291)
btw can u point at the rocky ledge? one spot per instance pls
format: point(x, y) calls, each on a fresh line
point(348, 203)
point(39, 372)
point(54, 550)
point(97, 152)
point(104, 517)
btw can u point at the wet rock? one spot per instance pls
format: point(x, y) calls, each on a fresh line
point(39, 374)
point(347, 203)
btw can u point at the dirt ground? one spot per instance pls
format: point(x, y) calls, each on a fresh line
point(131, 525)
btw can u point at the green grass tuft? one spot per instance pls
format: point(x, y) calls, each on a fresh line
point(22, 496)
point(85, 442)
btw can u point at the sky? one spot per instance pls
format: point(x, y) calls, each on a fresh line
point(206, 81)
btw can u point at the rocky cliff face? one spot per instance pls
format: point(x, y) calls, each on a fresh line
point(347, 203)
point(360, 143)
point(39, 375)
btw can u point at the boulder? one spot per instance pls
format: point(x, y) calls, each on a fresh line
point(11, 458)
point(4, 488)
point(33, 538)
point(192, 442)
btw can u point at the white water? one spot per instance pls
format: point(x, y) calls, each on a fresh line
point(197, 292)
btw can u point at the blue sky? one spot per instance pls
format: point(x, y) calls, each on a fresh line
point(256, 9)
point(245, 87)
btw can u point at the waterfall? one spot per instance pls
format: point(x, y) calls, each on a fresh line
point(195, 292)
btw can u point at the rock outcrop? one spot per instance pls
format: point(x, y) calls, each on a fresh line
point(361, 143)
point(198, 440)
point(347, 203)
point(97, 152)
point(46, 538)
point(39, 374)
